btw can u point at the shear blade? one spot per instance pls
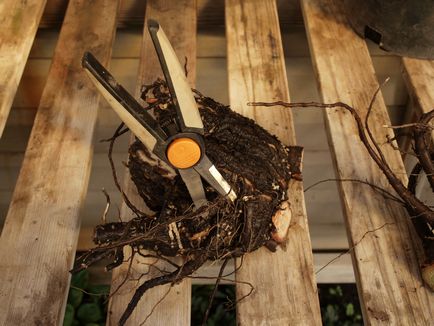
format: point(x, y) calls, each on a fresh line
point(127, 108)
point(188, 113)
point(209, 172)
point(194, 185)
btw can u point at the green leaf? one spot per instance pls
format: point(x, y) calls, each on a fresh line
point(349, 310)
point(75, 297)
point(75, 322)
point(98, 291)
point(331, 313)
point(91, 324)
point(69, 315)
point(89, 313)
point(81, 279)
point(339, 291)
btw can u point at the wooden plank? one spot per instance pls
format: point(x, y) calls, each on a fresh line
point(331, 270)
point(178, 19)
point(386, 264)
point(18, 26)
point(419, 76)
point(285, 289)
point(38, 242)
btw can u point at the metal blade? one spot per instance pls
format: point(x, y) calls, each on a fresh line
point(194, 185)
point(179, 88)
point(128, 109)
point(209, 172)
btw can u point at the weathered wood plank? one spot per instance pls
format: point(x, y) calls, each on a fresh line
point(178, 19)
point(285, 290)
point(419, 79)
point(18, 26)
point(38, 242)
point(419, 75)
point(386, 263)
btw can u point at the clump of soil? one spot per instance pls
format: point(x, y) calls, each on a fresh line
point(254, 162)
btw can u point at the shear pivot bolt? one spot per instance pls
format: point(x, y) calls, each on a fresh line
point(183, 153)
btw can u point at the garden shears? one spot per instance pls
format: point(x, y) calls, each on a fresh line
point(183, 146)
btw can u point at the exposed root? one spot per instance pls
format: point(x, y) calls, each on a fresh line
point(211, 299)
point(195, 261)
point(421, 214)
point(256, 165)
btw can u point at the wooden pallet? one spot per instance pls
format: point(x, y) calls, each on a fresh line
point(40, 234)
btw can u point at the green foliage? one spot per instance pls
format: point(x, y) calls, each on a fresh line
point(219, 314)
point(80, 280)
point(75, 297)
point(89, 312)
point(339, 305)
point(87, 303)
point(69, 315)
point(98, 291)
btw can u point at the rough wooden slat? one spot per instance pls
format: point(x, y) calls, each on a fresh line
point(419, 75)
point(178, 19)
point(285, 289)
point(386, 263)
point(37, 246)
point(18, 25)
point(419, 78)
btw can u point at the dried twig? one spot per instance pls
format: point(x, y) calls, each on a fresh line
point(352, 247)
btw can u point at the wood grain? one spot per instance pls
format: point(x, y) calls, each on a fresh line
point(325, 219)
point(284, 284)
point(18, 25)
point(178, 19)
point(419, 75)
point(385, 257)
point(38, 241)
